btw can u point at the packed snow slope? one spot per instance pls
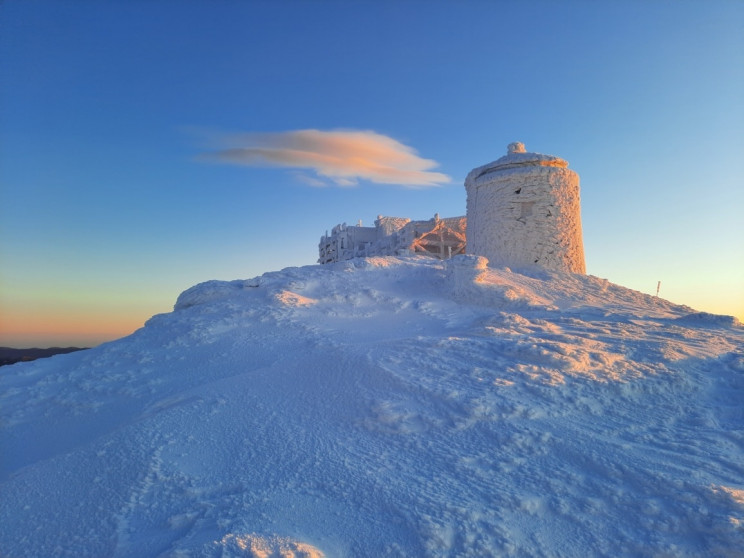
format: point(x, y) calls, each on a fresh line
point(385, 407)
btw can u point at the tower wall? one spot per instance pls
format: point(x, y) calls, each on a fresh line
point(525, 210)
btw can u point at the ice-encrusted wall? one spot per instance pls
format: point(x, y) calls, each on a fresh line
point(391, 236)
point(523, 210)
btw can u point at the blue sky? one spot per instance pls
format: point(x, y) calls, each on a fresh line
point(109, 208)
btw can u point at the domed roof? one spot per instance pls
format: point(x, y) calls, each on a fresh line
point(517, 156)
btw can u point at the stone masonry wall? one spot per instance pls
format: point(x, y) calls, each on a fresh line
point(526, 215)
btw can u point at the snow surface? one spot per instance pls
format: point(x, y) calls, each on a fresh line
point(385, 407)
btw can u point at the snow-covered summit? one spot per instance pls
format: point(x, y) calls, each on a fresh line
point(385, 407)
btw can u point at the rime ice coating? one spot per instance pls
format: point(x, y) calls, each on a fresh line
point(516, 147)
point(524, 210)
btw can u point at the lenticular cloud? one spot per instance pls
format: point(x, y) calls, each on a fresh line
point(342, 156)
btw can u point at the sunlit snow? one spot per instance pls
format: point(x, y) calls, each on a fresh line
point(385, 407)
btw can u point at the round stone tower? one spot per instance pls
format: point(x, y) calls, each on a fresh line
point(524, 210)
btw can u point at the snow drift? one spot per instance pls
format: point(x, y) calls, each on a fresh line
point(385, 407)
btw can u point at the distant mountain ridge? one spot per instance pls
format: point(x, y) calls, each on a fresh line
point(9, 355)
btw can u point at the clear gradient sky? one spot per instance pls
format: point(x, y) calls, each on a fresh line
point(121, 123)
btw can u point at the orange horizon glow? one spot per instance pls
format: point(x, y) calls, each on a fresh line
point(65, 325)
point(62, 331)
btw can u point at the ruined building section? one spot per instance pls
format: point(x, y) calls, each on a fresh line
point(524, 210)
point(345, 242)
point(388, 226)
point(440, 238)
point(394, 236)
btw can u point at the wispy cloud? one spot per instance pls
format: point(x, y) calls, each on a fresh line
point(342, 157)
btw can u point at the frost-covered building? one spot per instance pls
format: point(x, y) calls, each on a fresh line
point(394, 236)
point(523, 210)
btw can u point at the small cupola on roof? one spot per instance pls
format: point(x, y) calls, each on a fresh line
point(524, 210)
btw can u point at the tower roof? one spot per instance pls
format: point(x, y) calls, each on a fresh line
point(517, 156)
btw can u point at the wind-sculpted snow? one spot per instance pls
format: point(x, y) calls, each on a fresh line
point(385, 407)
